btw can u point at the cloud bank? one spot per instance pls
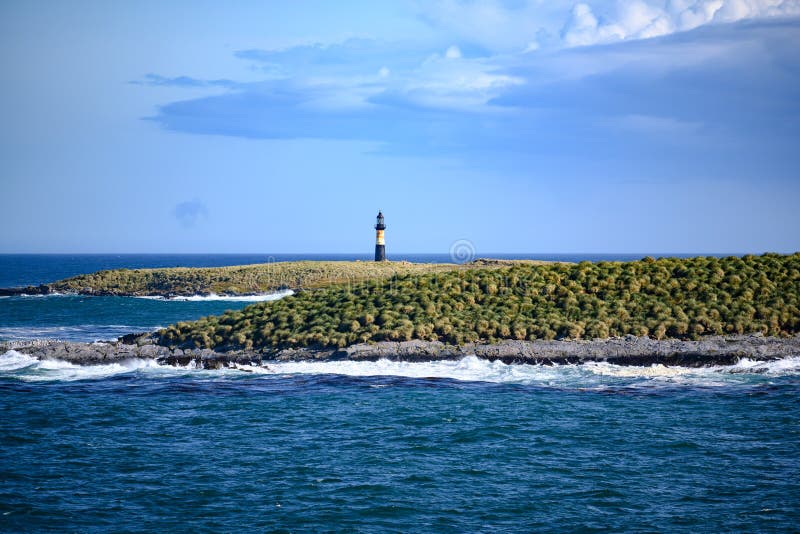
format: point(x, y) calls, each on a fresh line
point(505, 26)
point(630, 85)
point(449, 100)
point(638, 19)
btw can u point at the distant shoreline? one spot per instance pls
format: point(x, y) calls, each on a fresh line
point(628, 350)
point(242, 280)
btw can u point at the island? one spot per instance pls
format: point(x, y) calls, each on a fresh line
point(681, 311)
point(241, 280)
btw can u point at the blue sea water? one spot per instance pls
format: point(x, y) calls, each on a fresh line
point(459, 446)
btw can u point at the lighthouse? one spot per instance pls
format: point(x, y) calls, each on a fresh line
point(380, 244)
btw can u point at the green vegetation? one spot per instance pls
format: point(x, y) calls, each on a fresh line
point(664, 298)
point(237, 280)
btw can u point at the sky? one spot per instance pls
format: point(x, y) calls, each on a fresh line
point(521, 126)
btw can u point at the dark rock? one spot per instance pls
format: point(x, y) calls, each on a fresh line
point(626, 350)
point(29, 290)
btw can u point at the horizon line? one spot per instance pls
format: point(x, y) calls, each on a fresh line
point(367, 254)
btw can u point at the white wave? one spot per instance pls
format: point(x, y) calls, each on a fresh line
point(784, 366)
point(592, 376)
point(68, 372)
point(30, 369)
point(623, 371)
point(40, 296)
point(13, 360)
point(467, 369)
point(264, 297)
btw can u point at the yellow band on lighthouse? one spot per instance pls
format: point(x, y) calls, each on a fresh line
point(379, 238)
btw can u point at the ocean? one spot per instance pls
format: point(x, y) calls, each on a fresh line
point(463, 446)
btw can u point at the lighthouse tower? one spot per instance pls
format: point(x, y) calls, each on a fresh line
point(380, 244)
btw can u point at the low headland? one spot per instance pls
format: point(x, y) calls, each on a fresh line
point(692, 311)
point(240, 280)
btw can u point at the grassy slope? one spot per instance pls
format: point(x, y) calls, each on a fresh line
point(249, 279)
point(679, 298)
point(244, 279)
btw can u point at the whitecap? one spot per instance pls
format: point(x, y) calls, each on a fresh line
point(264, 297)
point(631, 371)
point(784, 366)
point(593, 375)
point(470, 369)
point(64, 371)
point(13, 360)
point(30, 369)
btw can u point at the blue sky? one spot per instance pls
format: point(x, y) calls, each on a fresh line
point(522, 125)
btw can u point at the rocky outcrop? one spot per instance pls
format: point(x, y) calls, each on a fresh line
point(629, 350)
point(29, 290)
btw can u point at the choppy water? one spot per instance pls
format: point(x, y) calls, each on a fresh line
point(382, 446)
point(82, 318)
point(453, 446)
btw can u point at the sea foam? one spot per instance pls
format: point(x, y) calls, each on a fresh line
point(265, 297)
point(30, 369)
point(590, 376)
point(13, 360)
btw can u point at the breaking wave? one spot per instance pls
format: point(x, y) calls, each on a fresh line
point(590, 376)
point(53, 294)
point(265, 297)
point(27, 368)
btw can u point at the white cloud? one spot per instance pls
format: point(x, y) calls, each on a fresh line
point(355, 74)
point(640, 19)
point(446, 80)
point(510, 27)
point(533, 46)
point(453, 52)
point(635, 18)
point(455, 82)
point(496, 25)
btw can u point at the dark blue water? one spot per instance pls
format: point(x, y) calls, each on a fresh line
point(80, 318)
point(150, 451)
point(375, 446)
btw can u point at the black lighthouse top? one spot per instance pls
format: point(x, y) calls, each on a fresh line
point(380, 225)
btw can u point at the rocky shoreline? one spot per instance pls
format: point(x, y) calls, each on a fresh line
point(42, 289)
point(46, 289)
point(628, 350)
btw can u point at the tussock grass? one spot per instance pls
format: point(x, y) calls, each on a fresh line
point(664, 298)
